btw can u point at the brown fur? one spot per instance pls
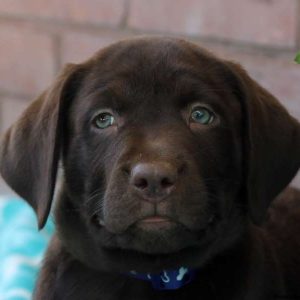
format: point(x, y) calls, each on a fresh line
point(219, 179)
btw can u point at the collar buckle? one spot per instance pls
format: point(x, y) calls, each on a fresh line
point(167, 279)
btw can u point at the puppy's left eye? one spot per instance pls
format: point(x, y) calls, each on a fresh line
point(104, 120)
point(202, 115)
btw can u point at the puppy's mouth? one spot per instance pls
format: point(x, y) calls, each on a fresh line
point(155, 222)
point(154, 234)
point(148, 223)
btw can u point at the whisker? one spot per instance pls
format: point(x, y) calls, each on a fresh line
point(93, 197)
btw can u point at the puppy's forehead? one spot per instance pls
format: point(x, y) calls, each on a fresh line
point(151, 60)
point(154, 71)
point(151, 50)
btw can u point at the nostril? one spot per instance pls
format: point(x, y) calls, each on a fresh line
point(141, 183)
point(166, 183)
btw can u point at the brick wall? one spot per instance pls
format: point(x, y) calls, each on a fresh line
point(38, 36)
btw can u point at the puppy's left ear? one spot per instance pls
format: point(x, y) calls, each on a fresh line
point(29, 151)
point(271, 144)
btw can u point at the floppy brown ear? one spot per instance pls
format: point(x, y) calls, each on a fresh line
point(272, 145)
point(29, 151)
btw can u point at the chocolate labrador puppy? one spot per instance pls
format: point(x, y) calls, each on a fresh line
point(170, 159)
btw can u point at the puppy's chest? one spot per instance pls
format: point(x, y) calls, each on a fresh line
point(117, 288)
point(91, 286)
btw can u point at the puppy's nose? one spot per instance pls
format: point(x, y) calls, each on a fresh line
point(153, 181)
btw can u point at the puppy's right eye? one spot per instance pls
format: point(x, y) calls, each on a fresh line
point(103, 120)
point(202, 116)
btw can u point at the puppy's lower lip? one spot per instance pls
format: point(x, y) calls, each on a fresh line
point(155, 223)
point(156, 219)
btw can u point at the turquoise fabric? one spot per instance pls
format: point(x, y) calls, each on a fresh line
point(22, 248)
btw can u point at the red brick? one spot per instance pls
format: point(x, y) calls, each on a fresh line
point(95, 11)
point(88, 11)
point(26, 60)
point(267, 22)
point(39, 8)
point(77, 47)
point(10, 110)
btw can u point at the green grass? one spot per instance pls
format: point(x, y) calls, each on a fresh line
point(297, 58)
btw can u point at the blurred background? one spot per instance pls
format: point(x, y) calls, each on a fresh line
point(37, 37)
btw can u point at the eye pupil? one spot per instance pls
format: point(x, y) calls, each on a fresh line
point(104, 120)
point(202, 116)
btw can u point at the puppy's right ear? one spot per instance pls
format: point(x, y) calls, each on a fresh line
point(30, 149)
point(271, 144)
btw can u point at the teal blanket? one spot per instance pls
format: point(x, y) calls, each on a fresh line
point(22, 248)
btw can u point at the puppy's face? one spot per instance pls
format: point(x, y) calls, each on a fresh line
point(166, 151)
point(153, 159)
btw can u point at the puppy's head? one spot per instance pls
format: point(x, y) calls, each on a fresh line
point(166, 151)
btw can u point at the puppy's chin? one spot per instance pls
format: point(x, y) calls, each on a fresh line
point(155, 238)
point(144, 248)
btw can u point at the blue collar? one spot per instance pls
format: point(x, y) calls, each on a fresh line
point(167, 279)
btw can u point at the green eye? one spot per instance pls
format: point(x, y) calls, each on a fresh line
point(104, 120)
point(202, 115)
